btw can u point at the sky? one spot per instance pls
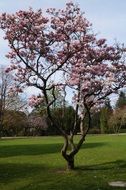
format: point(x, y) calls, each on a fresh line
point(107, 16)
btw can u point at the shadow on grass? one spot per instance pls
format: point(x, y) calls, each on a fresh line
point(118, 164)
point(28, 150)
point(11, 171)
point(37, 149)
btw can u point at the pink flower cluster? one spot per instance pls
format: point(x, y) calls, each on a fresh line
point(35, 100)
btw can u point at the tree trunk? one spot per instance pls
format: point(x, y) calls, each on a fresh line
point(70, 163)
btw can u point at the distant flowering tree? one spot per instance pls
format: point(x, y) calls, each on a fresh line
point(37, 124)
point(63, 46)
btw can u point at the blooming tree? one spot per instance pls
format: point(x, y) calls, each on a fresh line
point(60, 51)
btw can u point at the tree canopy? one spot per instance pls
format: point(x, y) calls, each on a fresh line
point(61, 51)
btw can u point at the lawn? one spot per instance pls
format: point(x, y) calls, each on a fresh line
point(36, 164)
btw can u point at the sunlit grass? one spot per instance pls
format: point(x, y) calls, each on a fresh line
point(36, 163)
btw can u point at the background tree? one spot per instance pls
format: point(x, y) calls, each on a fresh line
point(117, 120)
point(9, 99)
point(5, 83)
point(61, 51)
point(95, 128)
point(36, 125)
point(14, 123)
point(105, 115)
point(65, 118)
point(121, 102)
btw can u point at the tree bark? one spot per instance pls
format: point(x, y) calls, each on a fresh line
point(70, 163)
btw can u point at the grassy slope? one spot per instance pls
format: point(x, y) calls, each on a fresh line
point(35, 164)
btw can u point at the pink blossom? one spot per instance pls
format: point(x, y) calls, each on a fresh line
point(35, 100)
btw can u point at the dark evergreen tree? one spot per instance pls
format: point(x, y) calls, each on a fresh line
point(121, 102)
point(106, 112)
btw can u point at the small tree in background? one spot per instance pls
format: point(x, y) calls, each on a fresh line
point(117, 120)
point(61, 51)
point(36, 124)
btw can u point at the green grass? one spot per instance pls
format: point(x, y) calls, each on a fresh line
point(36, 164)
